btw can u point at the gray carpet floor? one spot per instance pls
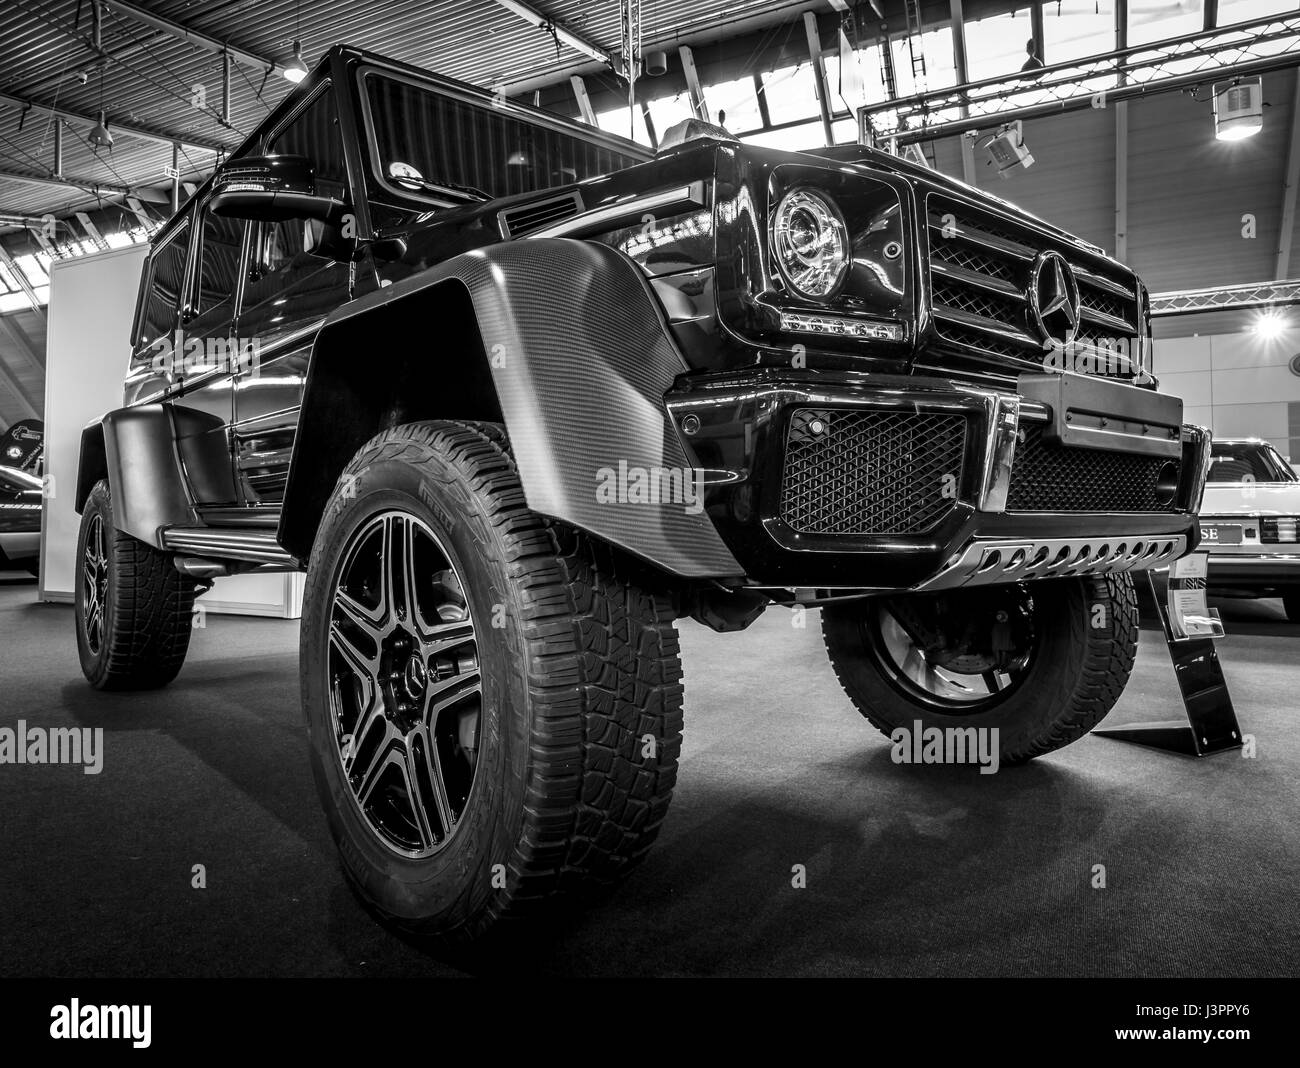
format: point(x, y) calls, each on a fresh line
point(910, 871)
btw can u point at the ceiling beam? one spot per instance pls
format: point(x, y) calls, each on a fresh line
point(564, 35)
point(92, 231)
point(192, 36)
point(1121, 182)
point(819, 75)
point(22, 342)
point(25, 401)
point(1290, 181)
point(585, 111)
point(693, 87)
point(159, 137)
point(76, 183)
point(24, 285)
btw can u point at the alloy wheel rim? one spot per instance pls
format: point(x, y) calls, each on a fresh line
point(94, 582)
point(405, 690)
point(944, 690)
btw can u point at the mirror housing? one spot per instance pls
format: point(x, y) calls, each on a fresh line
point(271, 189)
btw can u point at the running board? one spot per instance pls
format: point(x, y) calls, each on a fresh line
point(210, 543)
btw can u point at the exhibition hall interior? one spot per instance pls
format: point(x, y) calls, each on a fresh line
point(629, 488)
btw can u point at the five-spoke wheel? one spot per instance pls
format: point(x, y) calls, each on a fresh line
point(405, 690)
point(94, 582)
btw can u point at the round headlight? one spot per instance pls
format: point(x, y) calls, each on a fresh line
point(810, 243)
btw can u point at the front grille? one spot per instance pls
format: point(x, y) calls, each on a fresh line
point(862, 472)
point(1047, 477)
point(1279, 530)
point(980, 273)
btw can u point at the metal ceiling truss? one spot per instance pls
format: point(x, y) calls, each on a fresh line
point(1226, 298)
point(1251, 48)
point(561, 33)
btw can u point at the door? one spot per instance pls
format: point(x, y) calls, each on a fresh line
point(209, 359)
point(291, 283)
point(154, 365)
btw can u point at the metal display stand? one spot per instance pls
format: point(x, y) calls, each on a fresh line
point(1211, 725)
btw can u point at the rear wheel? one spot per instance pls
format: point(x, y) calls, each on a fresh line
point(134, 610)
point(493, 702)
point(1043, 662)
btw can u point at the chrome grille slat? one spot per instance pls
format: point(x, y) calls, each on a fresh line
point(1101, 282)
point(1102, 319)
point(992, 326)
point(975, 278)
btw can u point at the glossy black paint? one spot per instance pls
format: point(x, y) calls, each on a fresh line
point(397, 316)
point(743, 419)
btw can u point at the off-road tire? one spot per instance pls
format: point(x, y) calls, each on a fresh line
point(1078, 673)
point(147, 609)
point(581, 701)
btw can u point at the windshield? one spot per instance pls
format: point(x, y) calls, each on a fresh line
point(1253, 461)
point(450, 149)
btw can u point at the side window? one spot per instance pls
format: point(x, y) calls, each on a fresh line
point(315, 134)
point(162, 296)
point(291, 279)
point(218, 267)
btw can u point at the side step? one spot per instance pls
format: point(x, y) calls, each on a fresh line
point(213, 545)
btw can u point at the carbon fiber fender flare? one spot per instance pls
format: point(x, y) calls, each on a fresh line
point(135, 449)
point(563, 340)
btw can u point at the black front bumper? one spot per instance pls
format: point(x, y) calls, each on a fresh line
point(739, 429)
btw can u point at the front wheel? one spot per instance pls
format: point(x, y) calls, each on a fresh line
point(493, 702)
point(1043, 662)
point(134, 610)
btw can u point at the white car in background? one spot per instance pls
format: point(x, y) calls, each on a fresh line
point(1249, 517)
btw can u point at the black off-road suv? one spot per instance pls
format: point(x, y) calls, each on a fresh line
point(518, 394)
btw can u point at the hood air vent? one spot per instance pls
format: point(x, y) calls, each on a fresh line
point(525, 218)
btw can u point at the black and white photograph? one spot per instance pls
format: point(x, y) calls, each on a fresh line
point(534, 491)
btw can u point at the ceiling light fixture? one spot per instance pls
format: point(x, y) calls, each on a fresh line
point(1269, 324)
point(1007, 149)
point(99, 136)
point(1238, 109)
point(295, 70)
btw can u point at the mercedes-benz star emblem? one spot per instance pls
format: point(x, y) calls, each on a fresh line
point(416, 677)
point(1054, 298)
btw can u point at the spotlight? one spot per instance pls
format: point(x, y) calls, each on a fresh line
point(295, 70)
point(1238, 109)
point(1270, 324)
point(656, 64)
point(1007, 149)
point(99, 134)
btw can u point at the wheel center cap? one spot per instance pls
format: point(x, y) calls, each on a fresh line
point(415, 677)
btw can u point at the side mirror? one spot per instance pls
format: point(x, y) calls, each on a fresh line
point(271, 189)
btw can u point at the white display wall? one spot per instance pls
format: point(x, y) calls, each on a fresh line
point(1239, 385)
point(92, 301)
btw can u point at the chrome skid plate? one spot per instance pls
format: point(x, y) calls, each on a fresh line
point(991, 561)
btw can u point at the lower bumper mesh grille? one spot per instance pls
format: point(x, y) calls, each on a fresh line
point(864, 472)
point(1058, 478)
